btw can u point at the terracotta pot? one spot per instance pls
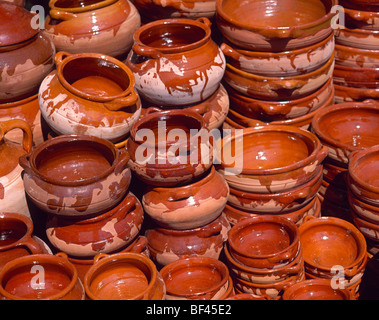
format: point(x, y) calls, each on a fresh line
point(168, 245)
point(316, 289)
point(278, 88)
point(175, 61)
point(26, 54)
point(265, 241)
point(159, 9)
point(105, 27)
point(280, 26)
point(12, 193)
point(366, 5)
point(124, 276)
point(356, 77)
point(356, 57)
point(195, 278)
point(349, 94)
point(357, 38)
point(270, 111)
point(362, 209)
point(103, 233)
point(260, 166)
point(76, 175)
point(169, 155)
point(361, 18)
point(60, 277)
point(368, 228)
point(277, 64)
point(93, 94)
point(363, 178)
point(190, 206)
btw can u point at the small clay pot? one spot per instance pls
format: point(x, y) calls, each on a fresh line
point(60, 279)
point(195, 278)
point(356, 57)
point(124, 276)
point(316, 289)
point(357, 38)
point(280, 26)
point(103, 233)
point(265, 241)
point(170, 153)
point(105, 27)
point(357, 77)
point(76, 175)
point(168, 245)
point(175, 61)
point(93, 93)
point(189, 206)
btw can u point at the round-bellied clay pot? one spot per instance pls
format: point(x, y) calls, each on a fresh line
point(175, 61)
point(189, 206)
point(102, 233)
point(76, 175)
point(168, 245)
point(356, 57)
point(263, 25)
point(12, 193)
point(90, 93)
point(26, 54)
point(169, 147)
point(105, 27)
point(195, 278)
point(124, 276)
point(57, 279)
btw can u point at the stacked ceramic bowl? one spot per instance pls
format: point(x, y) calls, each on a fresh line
point(343, 128)
point(363, 194)
point(280, 60)
point(177, 65)
point(273, 170)
point(356, 74)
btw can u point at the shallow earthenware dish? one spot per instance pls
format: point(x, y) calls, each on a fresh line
point(357, 77)
point(356, 57)
point(368, 228)
point(357, 38)
point(363, 209)
point(349, 94)
point(362, 19)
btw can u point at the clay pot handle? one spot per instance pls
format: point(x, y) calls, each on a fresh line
point(371, 101)
point(124, 102)
point(27, 139)
point(62, 255)
point(99, 257)
point(122, 161)
point(352, 154)
point(297, 195)
point(62, 15)
point(229, 51)
point(250, 122)
point(25, 163)
point(60, 56)
point(139, 246)
point(152, 110)
point(131, 201)
point(204, 20)
point(308, 218)
point(324, 151)
point(146, 51)
point(209, 231)
point(31, 244)
point(182, 194)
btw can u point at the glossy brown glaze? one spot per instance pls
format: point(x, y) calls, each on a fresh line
point(357, 77)
point(356, 57)
point(358, 38)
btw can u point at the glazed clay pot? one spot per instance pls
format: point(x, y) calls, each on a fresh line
point(369, 229)
point(262, 25)
point(168, 245)
point(124, 276)
point(103, 233)
point(357, 38)
point(347, 127)
point(361, 19)
point(26, 54)
point(366, 5)
point(61, 280)
point(316, 289)
point(349, 94)
point(362, 209)
point(195, 278)
point(265, 241)
point(12, 195)
point(177, 149)
point(357, 77)
point(356, 57)
point(105, 27)
point(16, 234)
point(189, 206)
point(76, 175)
point(277, 64)
point(261, 166)
point(175, 62)
point(89, 94)
point(278, 88)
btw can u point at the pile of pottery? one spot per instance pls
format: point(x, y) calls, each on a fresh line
point(280, 60)
point(356, 73)
point(343, 128)
point(264, 255)
point(275, 170)
point(177, 65)
point(363, 194)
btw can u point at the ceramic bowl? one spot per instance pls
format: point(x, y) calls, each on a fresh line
point(347, 127)
point(277, 64)
point(258, 165)
point(124, 276)
point(265, 241)
point(357, 38)
point(274, 26)
point(357, 77)
point(363, 177)
point(356, 57)
point(369, 229)
point(361, 19)
point(363, 209)
point(278, 88)
point(316, 289)
point(367, 5)
point(195, 278)
point(349, 94)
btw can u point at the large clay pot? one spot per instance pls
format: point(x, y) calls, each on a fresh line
point(175, 61)
point(76, 175)
point(105, 27)
point(12, 195)
point(26, 54)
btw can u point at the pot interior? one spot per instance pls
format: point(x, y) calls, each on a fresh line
point(317, 292)
point(69, 4)
point(11, 230)
point(367, 169)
